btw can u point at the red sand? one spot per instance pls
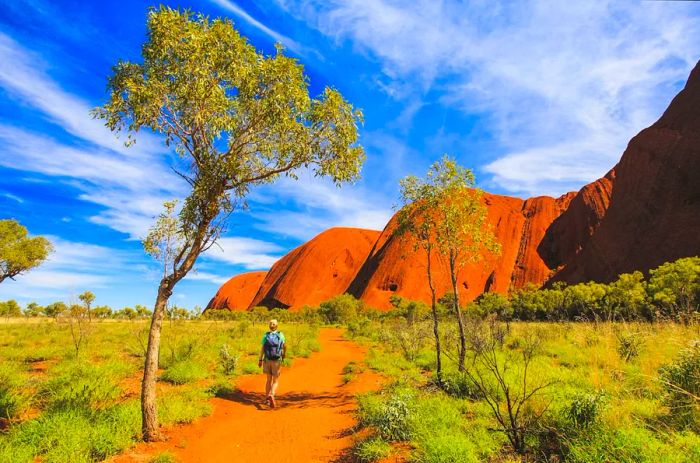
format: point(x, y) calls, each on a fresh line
point(313, 421)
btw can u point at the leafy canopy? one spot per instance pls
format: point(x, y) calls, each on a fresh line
point(18, 252)
point(237, 117)
point(444, 211)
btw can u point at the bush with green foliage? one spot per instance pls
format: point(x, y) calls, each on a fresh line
point(681, 381)
point(341, 309)
point(585, 409)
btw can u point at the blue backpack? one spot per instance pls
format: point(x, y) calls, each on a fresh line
point(273, 345)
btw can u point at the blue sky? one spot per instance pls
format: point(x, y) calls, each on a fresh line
point(537, 97)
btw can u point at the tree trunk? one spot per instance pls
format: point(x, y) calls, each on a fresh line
point(436, 331)
point(149, 411)
point(458, 310)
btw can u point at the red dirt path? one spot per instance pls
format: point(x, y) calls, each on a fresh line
point(312, 422)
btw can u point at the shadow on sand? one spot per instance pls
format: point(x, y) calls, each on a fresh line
point(289, 400)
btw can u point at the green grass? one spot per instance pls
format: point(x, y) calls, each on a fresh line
point(84, 408)
point(605, 404)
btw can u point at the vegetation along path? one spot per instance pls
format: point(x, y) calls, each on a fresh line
point(312, 421)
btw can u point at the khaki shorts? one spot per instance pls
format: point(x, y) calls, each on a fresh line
point(272, 367)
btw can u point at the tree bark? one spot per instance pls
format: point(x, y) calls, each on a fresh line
point(149, 410)
point(458, 310)
point(436, 331)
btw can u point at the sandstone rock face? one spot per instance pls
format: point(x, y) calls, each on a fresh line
point(644, 212)
point(238, 292)
point(654, 211)
point(570, 232)
point(394, 267)
point(316, 270)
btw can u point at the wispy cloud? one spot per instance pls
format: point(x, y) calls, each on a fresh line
point(314, 204)
point(23, 75)
point(249, 253)
point(232, 7)
point(555, 81)
point(72, 268)
point(130, 183)
point(13, 197)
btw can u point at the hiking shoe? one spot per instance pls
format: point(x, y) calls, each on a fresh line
point(273, 404)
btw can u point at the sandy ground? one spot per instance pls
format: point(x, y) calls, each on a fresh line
point(312, 422)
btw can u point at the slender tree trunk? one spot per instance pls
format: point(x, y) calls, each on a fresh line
point(436, 331)
point(458, 310)
point(149, 411)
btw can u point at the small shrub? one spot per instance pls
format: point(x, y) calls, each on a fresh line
point(183, 406)
point(388, 417)
point(184, 372)
point(371, 449)
point(227, 360)
point(79, 385)
point(681, 380)
point(629, 345)
point(165, 457)
point(584, 410)
point(14, 399)
point(458, 384)
point(222, 389)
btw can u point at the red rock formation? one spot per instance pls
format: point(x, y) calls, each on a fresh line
point(570, 232)
point(316, 270)
point(654, 211)
point(644, 212)
point(238, 292)
point(394, 267)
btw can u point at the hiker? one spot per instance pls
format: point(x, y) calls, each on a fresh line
point(274, 348)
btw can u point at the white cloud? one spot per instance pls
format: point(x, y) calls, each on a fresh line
point(318, 205)
point(247, 252)
point(130, 183)
point(205, 276)
point(547, 75)
point(13, 197)
point(72, 268)
point(132, 190)
point(23, 75)
point(241, 13)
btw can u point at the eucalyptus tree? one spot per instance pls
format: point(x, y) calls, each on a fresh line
point(19, 252)
point(445, 214)
point(238, 118)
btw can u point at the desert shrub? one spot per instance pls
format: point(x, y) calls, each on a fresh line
point(83, 385)
point(406, 338)
point(221, 389)
point(227, 360)
point(627, 445)
point(388, 416)
point(681, 381)
point(675, 288)
point(340, 309)
point(458, 384)
point(448, 430)
point(14, 397)
point(75, 435)
point(629, 345)
point(184, 372)
point(183, 405)
point(360, 327)
point(165, 457)
point(585, 409)
point(372, 449)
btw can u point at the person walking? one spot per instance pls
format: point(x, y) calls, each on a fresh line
point(272, 353)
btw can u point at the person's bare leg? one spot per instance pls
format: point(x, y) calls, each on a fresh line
point(268, 385)
point(275, 382)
